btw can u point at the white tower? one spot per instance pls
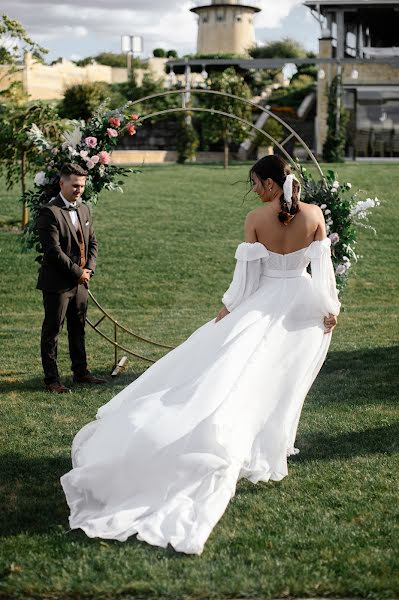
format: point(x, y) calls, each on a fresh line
point(225, 26)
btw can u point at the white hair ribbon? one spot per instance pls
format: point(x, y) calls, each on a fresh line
point(287, 189)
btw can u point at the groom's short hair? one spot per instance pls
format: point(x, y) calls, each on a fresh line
point(68, 169)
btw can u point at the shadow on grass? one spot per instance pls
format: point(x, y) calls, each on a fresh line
point(36, 384)
point(376, 440)
point(360, 377)
point(31, 495)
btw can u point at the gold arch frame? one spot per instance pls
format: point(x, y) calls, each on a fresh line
point(291, 134)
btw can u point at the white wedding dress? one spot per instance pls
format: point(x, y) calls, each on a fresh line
point(163, 457)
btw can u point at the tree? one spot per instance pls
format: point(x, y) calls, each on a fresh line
point(187, 141)
point(285, 48)
point(18, 154)
point(217, 128)
point(81, 100)
point(171, 54)
point(149, 86)
point(159, 53)
point(337, 120)
point(14, 43)
point(110, 59)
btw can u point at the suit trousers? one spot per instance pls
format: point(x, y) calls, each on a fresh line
point(71, 304)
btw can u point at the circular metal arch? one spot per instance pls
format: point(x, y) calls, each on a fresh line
point(292, 133)
point(190, 91)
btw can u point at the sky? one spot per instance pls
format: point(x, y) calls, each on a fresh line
point(75, 29)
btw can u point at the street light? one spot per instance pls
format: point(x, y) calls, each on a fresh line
point(132, 46)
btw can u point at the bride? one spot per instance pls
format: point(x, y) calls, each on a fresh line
point(163, 457)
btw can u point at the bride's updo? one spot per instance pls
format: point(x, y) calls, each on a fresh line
point(276, 168)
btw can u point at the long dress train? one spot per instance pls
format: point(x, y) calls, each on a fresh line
point(163, 457)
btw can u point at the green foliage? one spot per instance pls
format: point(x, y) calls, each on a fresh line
point(217, 128)
point(171, 54)
point(81, 100)
point(149, 86)
point(291, 96)
point(344, 214)
point(110, 59)
point(303, 70)
point(88, 145)
point(14, 43)
point(334, 146)
point(285, 48)
point(274, 129)
point(18, 155)
point(187, 141)
point(159, 53)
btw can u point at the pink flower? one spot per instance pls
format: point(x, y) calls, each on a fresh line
point(334, 237)
point(134, 117)
point(114, 121)
point(104, 157)
point(91, 141)
point(130, 128)
point(112, 133)
point(90, 164)
point(95, 159)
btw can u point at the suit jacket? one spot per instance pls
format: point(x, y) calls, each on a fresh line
point(60, 270)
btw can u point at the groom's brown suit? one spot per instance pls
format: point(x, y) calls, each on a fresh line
point(64, 259)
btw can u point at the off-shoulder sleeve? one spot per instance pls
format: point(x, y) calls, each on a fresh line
point(323, 277)
point(246, 274)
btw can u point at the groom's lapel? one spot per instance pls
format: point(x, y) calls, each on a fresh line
point(64, 211)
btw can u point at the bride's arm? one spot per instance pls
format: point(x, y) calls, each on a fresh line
point(247, 271)
point(323, 275)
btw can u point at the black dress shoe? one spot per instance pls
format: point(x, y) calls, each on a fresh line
point(88, 378)
point(57, 388)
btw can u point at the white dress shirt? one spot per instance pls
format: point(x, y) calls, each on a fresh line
point(72, 213)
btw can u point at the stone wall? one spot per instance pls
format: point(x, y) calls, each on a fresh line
point(49, 82)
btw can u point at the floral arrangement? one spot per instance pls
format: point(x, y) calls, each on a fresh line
point(344, 213)
point(87, 144)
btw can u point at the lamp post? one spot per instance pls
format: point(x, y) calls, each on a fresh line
point(132, 46)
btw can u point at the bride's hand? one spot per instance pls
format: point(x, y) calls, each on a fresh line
point(223, 312)
point(329, 323)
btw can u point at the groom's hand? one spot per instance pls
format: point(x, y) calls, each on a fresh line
point(85, 277)
point(223, 312)
point(329, 323)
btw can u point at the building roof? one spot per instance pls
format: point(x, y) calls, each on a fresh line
point(227, 5)
point(350, 3)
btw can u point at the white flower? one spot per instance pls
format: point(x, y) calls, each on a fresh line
point(84, 154)
point(73, 138)
point(334, 237)
point(72, 151)
point(40, 178)
point(323, 206)
point(327, 212)
point(348, 185)
point(340, 269)
point(335, 184)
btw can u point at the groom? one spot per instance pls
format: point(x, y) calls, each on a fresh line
point(69, 259)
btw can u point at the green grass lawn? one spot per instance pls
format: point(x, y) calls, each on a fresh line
point(166, 255)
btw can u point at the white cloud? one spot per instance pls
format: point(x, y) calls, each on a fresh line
point(88, 27)
point(273, 13)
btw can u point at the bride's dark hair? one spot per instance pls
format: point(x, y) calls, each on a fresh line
point(276, 168)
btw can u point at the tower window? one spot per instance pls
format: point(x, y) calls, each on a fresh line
point(220, 15)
